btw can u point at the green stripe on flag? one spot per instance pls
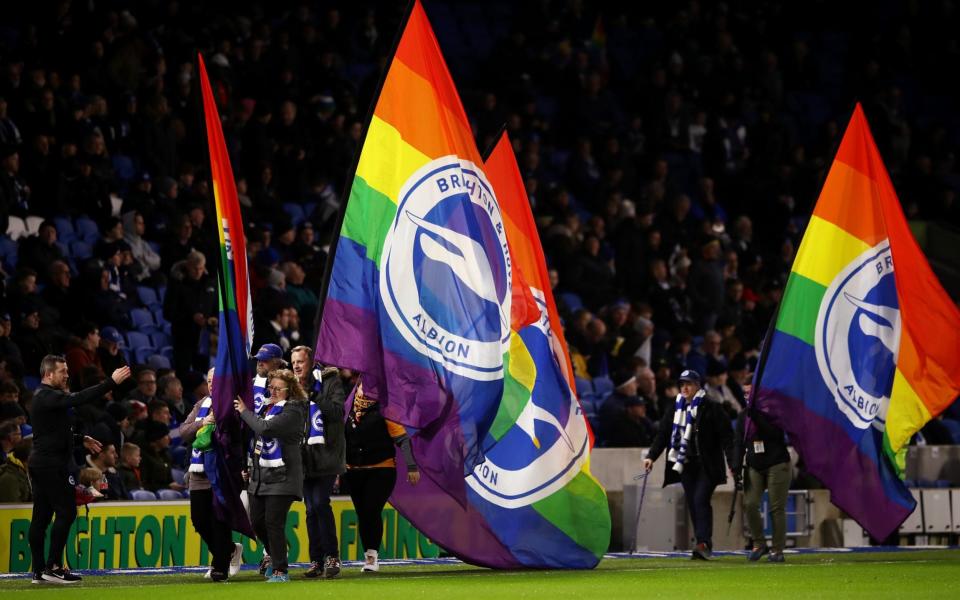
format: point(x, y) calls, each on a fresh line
point(799, 307)
point(515, 397)
point(369, 217)
point(580, 510)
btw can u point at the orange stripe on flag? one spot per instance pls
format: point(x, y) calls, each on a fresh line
point(849, 200)
point(432, 128)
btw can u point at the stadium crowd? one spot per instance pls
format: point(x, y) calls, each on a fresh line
point(672, 155)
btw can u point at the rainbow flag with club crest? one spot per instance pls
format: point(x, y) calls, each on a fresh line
point(420, 299)
point(232, 377)
point(864, 349)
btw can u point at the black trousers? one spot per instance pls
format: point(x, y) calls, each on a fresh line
point(698, 490)
point(217, 534)
point(53, 494)
point(321, 526)
point(369, 490)
point(269, 516)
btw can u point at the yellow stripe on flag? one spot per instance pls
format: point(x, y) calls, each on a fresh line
point(825, 251)
point(522, 367)
point(387, 161)
point(906, 413)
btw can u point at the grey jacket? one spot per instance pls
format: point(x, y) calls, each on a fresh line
point(286, 428)
point(329, 458)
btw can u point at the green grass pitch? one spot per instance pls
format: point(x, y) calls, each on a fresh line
point(902, 575)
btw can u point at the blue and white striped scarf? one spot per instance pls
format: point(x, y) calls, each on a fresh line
point(269, 448)
point(684, 418)
point(196, 456)
point(259, 392)
point(315, 436)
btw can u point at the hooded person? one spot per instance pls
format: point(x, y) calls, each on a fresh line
point(134, 226)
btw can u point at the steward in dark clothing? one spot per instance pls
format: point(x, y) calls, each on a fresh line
point(322, 464)
point(51, 464)
point(767, 468)
point(704, 445)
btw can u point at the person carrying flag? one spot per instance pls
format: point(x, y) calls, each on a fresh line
point(276, 473)
point(214, 532)
point(697, 435)
point(324, 458)
point(269, 358)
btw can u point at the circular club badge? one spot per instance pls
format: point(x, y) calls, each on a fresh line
point(858, 336)
point(445, 271)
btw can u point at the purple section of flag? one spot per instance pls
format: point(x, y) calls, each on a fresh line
point(437, 505)
point(838, 461)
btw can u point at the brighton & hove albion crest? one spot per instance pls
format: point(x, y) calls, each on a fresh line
point(858, 336)
point(445, 272)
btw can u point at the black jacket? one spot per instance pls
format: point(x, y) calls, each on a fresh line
point(329, 458)
point(53, 435)
point(774, 443)
point(712, 436)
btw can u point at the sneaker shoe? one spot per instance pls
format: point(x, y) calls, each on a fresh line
point(371, 564)
point(701, 552)
point(315, 570)
point(756, 553)
point(218, 576)
point(206, 574)
point(236, 559)
point(279, 577)
point(331, 569)
point(776, 557)
point(266, 567)
point(61, 576)
point(38, 578)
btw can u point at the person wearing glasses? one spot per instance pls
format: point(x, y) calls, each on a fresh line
point(372, 469)
point(276, 473)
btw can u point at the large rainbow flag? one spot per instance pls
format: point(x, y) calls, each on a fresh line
point(232, 377)
point(421, 300)
point(864, 349)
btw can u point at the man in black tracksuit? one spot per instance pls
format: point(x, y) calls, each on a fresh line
point(51, 464)
point(322, 463)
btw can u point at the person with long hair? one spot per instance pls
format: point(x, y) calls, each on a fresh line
point(372, 469)
point(276, 472)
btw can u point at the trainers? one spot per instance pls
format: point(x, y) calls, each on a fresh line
point(315, 570)
point(266, 567)
point(371, 564)
point(756, 553)
point(61, 576)
point(278, 577)
point(218, 576)
point(331, 569)
point(776, 557)
point(38, 578)
point(206, 575)
point(236, 559)
point(701, 552)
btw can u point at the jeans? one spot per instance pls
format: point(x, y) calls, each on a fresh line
point(53, 494)
point(217, 534)
point(321, 526)
point(698, 490)
point(776, 479)
point(369, 490)
point(269, 516)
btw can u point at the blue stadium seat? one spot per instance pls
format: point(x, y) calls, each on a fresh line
point(123, 167)
point(137, 339)
point(148, 296)
point(603, 387)
point(295, 212)
point(178, 474)
point(159, 361)
point(87, 229)
point(65, 231)
point(80, 250)
point(159, 339)
point(143, 496)
point(141, 356)
point(169, 495)
point(143, 320)
point(571, 300)
point(180, 455)
point(584, 386)
point(31, 382)
point(954, 427)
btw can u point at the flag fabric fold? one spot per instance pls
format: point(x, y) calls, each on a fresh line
point(424, 299)
point(863, 351)
point(232, 376)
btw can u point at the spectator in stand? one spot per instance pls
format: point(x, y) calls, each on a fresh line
point(130, 467)
point(9, 437)
point(84, 352)
point(15, 484)
point(170, 390)
point(34, 344)
point(134, 227)
point(106, 461)
point(38, 252)
point(109, 351)
point(303, 298)
point(14, 191)
point(189, 305)
point(179, 245)
point(272, 330)
point(156, 464)
point(623, 416)
point(146, 390)
point(10, 350)
point(60, 295)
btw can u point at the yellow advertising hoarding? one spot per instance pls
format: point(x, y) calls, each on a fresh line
point(119, 535)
